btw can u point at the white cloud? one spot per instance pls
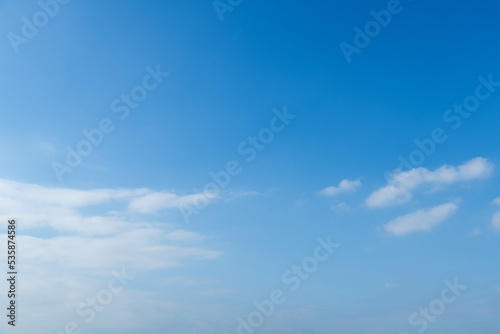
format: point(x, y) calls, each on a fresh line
point(343, 206)
point(60, 208)
point(400, 186)
point(155, 201)
point(50, 303)
point(421, 220)
point(345, 186)
point(232, 195)
point(17, 192)
point(495, 220)
point(141, 249)
point(87, 234)
point(48, 148)
point(185, 280)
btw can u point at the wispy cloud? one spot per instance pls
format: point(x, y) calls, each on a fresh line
point(213, 292)
point(155, 201)
point(139, 249)
point(48, 148)
point(495, 220)
point(69, 263)
point(188, 281)
point(345, 186)
point(475, 232)
point(421, 220)
point(103, 239)
point(400, 186)
point(61, 208)
point(231, 195)
point(342, 206)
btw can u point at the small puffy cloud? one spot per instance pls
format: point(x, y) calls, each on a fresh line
point(345, 186)
point(390, 285)
point(401, 184)
point(421, 220)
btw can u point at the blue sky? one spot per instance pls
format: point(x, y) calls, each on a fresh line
point(329, 168)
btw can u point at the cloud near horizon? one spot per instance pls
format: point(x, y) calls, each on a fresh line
point(88, 234)
point(102, 238)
